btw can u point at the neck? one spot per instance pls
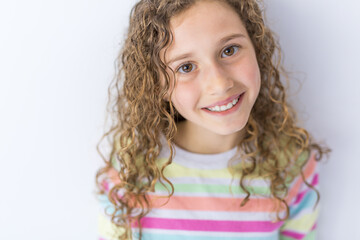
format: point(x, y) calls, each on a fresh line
point(199, 140)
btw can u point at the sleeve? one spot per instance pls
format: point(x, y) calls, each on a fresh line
point(304, 211)
point(106, 229)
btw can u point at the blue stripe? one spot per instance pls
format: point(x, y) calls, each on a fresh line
point(308, 201)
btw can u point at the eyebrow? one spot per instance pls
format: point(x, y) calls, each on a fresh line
point(221, 41)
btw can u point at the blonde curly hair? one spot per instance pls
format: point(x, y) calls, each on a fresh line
point(141, 115)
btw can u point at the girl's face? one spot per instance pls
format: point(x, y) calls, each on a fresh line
point(217, 75)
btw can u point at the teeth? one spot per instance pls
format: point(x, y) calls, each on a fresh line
point(224, 107)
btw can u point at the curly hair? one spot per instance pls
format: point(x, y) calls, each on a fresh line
point(272, 143)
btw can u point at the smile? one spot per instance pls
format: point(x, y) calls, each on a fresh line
point(226, 108)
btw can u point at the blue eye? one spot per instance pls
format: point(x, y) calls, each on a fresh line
point(186, 68)
point(230, 51)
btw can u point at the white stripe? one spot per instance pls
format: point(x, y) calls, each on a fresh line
point(210, 234)
point(257, 182)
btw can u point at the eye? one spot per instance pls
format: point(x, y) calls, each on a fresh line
point(230, 51)
point(185, 68)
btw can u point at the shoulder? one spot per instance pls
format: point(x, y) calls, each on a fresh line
point(295, 162)
point(304, 178)
point(292, 156)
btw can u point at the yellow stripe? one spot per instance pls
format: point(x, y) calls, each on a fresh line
point(176, 170)
point(302, 224)
point(107, 229)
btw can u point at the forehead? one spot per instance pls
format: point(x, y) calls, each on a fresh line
point(206, 21)
point(201, 7)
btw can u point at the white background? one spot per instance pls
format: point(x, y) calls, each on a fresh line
point(57, 60)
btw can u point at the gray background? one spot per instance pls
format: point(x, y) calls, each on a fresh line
point(56, 61)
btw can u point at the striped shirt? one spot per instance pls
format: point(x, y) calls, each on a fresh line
point(206, 203)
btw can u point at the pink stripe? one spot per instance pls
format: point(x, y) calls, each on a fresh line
point(293, 235)
point(105, 185)
point(315, 180)
point(314, 227)
point(296, 235)
point(209, 225)
point(302, 194)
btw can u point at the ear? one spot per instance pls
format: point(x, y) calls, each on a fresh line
point(166, 97)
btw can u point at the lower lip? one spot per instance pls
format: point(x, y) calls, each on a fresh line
point(226, 112)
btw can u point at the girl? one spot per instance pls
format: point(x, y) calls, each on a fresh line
point(204, 145)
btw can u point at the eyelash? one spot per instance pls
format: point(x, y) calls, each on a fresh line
point(182, 65)
point(232, 46)
point(236, 47)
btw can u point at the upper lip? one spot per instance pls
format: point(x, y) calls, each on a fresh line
point(226, 101)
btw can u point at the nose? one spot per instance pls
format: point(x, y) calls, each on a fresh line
point(217, 80)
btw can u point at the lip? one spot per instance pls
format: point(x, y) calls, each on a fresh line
point(224, 102)
point(226, 112)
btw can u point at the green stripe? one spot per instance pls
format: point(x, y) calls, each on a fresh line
point(285, 238)
point(311, 235)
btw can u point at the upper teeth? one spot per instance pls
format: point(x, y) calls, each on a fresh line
point(224, 107)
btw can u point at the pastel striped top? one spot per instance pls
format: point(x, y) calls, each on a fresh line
point(206, 203)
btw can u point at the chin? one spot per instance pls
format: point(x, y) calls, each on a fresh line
point(229, 131)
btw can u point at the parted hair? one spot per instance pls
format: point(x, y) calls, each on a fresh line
point(140, 115)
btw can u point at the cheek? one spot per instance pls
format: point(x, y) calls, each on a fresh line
point(185, 96)
point(251, 75)
point(257, 78)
